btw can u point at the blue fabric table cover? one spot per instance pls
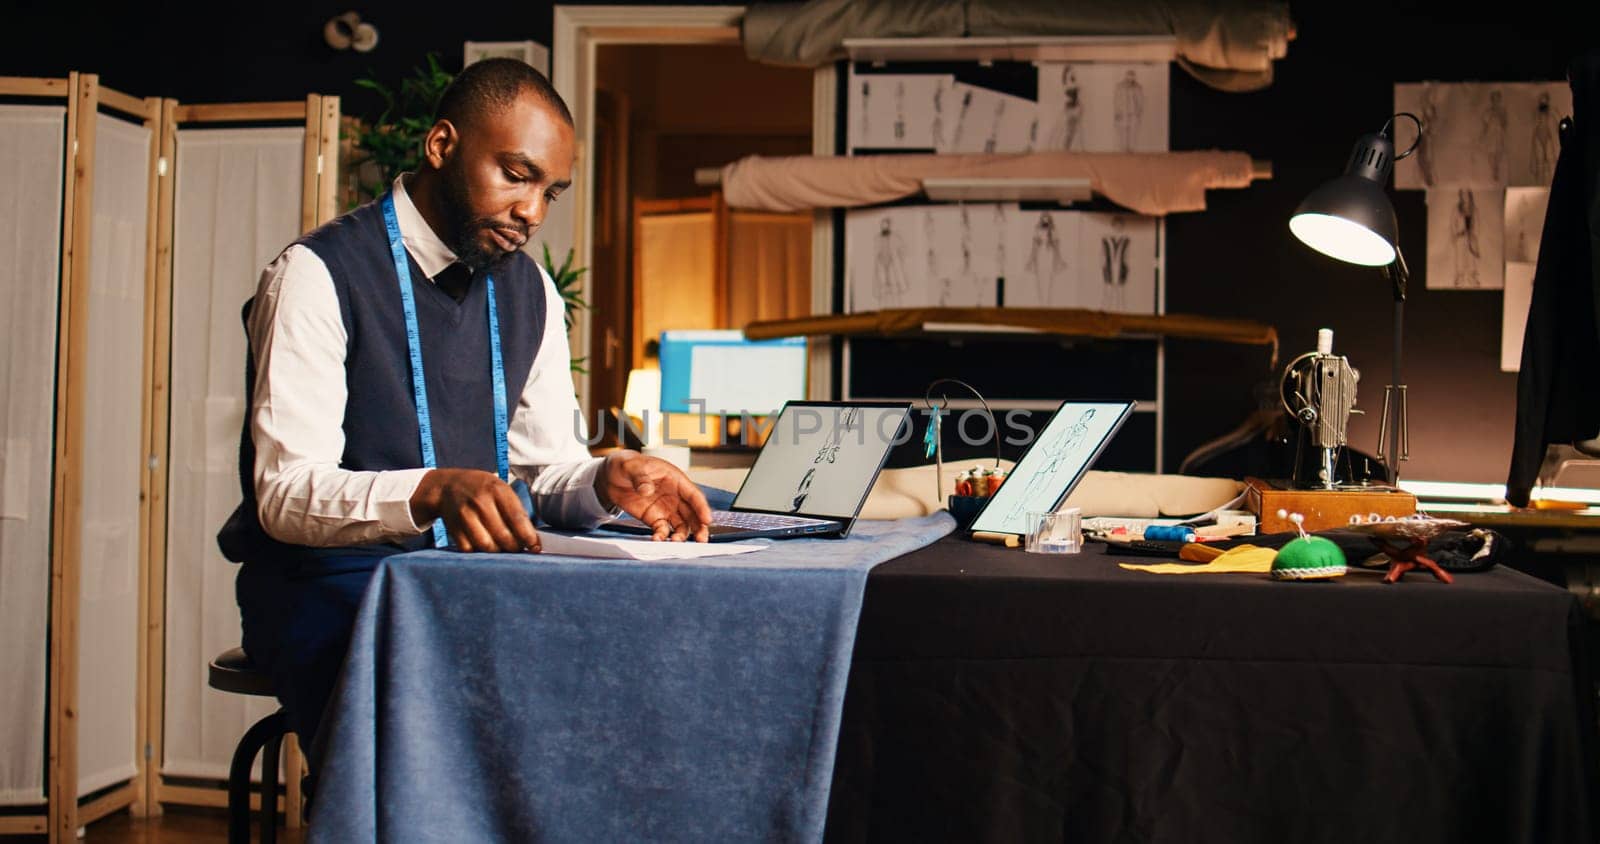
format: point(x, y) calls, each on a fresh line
point(496, 697)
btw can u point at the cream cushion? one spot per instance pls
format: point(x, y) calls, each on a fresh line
point(900, 493)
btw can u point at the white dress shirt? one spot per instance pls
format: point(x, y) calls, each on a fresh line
point(304, 497)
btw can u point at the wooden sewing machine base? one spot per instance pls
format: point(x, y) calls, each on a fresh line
point(1321, 509)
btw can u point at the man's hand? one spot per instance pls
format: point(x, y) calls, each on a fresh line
point(480, 511)
point(654, 492)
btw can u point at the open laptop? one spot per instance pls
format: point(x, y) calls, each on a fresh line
point(1053, 464)
point(813, 474)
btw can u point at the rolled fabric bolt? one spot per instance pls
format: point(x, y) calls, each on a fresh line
point(1161, 533)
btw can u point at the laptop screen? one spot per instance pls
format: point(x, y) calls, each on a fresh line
point(1053, 464)
point(822, 458)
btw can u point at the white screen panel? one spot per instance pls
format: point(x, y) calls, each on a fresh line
point(108, 622)
point(237, 206)
point(31, 165)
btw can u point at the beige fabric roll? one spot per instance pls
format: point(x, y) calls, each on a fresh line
point(902, 493)
point(1234, 35)
point(1240, 37)
point(1145, 183)
point(1150, 496)
point(812, 33)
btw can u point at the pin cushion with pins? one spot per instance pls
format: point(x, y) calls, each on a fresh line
point(1307, 557)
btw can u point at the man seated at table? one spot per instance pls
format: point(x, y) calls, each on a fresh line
point(386, 346)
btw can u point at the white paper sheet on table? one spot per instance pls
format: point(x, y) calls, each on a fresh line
point(608, 548)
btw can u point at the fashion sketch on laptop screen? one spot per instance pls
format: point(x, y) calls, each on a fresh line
point(820, 460)
point(1053, 464)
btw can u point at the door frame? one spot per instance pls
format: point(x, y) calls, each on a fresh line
point(578, 32)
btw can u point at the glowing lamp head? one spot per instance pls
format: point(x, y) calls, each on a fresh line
point(1350, 218)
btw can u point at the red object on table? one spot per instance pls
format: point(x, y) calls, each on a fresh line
point(1404, 558)
point(1405, 543)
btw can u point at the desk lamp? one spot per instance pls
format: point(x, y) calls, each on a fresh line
point(1351, 218)
point(642, 400)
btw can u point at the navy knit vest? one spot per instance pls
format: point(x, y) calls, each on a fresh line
point(380, 418)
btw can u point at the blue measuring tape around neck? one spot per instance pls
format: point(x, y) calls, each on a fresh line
point(419, 386)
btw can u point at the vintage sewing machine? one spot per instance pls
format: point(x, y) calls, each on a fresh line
point(1318, 390)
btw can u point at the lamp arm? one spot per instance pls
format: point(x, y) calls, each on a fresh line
point(1393, 436)
point(1399, 274)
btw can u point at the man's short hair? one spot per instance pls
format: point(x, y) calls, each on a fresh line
point(489, 85)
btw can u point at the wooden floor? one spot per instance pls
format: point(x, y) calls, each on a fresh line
point(178, 825)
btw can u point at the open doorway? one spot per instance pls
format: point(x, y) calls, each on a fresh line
point(667, 253)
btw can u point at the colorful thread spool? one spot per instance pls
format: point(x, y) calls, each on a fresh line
point(1164, 533)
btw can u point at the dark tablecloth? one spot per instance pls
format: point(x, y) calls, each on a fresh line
point(1002, 696)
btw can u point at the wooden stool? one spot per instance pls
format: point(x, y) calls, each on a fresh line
point(232, 672)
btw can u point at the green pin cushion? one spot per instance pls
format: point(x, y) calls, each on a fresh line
point(1308, 558)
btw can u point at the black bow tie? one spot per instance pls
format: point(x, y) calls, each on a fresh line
point(454, 280)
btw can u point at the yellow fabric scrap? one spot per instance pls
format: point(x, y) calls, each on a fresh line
point(1241, 559)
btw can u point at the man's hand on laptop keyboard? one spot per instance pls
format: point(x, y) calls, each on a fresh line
point(654, 492)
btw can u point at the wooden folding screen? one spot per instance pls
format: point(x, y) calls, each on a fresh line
point(99, 365)
point(87, 417)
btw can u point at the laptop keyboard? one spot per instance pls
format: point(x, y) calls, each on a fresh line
point(760, 521)
point(741, 521)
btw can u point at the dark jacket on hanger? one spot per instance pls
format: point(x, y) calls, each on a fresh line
point(1558, 390)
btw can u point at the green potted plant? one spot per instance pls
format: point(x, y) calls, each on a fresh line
point(392, 142)
point(566, 281)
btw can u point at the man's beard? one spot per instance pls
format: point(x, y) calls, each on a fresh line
point(465, 228)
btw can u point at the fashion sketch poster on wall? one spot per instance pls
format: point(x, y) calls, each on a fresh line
point(1011, 107)
point(924, 256)
point(1525, 209)
point(1075, 259)
point(1525, 222)
point(1482, 134)
point(898, 111)
point(987, 121)
point(941, 108)
point(1480, 141)
point(1514, 316)
point(1466, 238)
point(957, 255)
point(1096, 107)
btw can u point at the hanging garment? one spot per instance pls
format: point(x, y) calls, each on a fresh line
point(1558, 389)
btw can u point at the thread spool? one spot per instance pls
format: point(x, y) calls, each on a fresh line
point(1164, 533)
